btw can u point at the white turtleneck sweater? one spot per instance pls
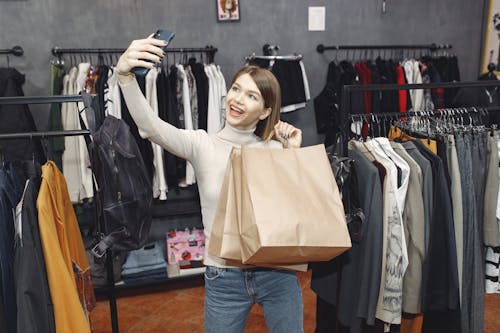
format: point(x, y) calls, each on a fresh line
point(208, 153)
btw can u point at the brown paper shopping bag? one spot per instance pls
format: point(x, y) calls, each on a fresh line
point(290, 209)
point(225, 235)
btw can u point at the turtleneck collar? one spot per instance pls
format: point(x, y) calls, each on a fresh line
point(238, 136)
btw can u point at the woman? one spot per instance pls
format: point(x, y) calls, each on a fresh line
point(252, 114)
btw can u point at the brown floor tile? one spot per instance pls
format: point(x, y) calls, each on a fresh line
point(170, 309)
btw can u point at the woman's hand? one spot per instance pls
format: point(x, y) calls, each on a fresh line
point(289, 136)
point(139, 50)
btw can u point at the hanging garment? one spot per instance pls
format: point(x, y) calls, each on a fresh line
point(491, 231)
point(160, 188)
point(222, 97)
point(56, 145)
point(456, 200)
point(68, 270)
point(202, 91)
point(427, 189)
point(393, 260)
point(10, 194)
point(15, 119)
point(472, 280)
point(112, 97)
point(213, 116)
point(75, 157)
point(188, 120)
point(440, 303)
point(35, 309)
point(193, 96)
point(413, 215)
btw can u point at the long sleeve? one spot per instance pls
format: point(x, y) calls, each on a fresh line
point(179, 142)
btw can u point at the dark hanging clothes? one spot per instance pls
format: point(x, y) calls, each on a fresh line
point(35, 312)
point(16, 119)
point(202, 93)
point(144, 145)
point(167, 106)
point(440, 279)
point(449, 71)
point(289, 75)
point(10, 194)
point(480, 97)
point(56, 144)
point(326, 106)
point(101, 87)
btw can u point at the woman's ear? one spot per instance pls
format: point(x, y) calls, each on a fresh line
point(265, 113)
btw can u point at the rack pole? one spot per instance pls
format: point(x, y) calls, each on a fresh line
point(59, 51)
point(16, 51)
point(433, 47)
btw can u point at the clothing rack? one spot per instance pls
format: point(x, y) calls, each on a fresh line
point(88, 102)
point(437, 112)
point(274, 57)
point(16, 51)
point(209, 50)
point(345, 108)
point(432, 47)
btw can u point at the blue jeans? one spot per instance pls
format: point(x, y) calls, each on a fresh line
point(231, 292)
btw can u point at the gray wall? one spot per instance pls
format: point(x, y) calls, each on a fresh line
point(39, 25)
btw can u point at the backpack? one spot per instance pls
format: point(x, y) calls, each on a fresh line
point(124, 191)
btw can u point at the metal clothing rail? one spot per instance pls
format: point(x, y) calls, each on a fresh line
point(275, 57)
point(29, 135)
point(457, 111)
point(87, 99)
point(59, 51)
point(42, 99)
point(347, 90)
point(16, 51)
point(432, 47)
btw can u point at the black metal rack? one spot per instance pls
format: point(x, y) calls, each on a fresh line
point(209, 50)
point(432, 47)
point(6, 136)
point(16, 51)
point(346, 103)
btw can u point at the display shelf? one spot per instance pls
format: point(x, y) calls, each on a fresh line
point(174, 282)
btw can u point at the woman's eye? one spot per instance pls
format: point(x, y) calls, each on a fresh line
point(235, 89)
point(253, 97)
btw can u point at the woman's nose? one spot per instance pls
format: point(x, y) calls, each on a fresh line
point(239, 97)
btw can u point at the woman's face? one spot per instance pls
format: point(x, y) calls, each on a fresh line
point(245, 104)
point(229, 4)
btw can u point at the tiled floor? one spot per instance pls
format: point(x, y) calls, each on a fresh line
point(179, 308)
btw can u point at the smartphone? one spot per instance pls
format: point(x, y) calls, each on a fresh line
point(160, 34)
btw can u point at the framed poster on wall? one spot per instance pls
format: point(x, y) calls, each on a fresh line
point(491, 38)
point(228, 10)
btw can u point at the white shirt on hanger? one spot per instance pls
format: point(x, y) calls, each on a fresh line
point(188, 120)
point(113, 97)
point(159, 182)
point(213, 114)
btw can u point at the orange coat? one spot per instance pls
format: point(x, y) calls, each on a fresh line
point(64, 253)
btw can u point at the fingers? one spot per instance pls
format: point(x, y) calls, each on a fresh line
point(285, 130)
point(139, 51)
point(288, 135)
point(151, 45)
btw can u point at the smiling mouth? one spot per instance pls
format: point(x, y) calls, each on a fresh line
point(235, 111)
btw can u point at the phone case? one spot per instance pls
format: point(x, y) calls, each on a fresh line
point(160, 34)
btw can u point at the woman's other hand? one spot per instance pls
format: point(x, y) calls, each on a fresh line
point(138, 51)
point(289, 136)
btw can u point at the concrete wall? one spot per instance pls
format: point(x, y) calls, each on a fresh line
point(39, 25)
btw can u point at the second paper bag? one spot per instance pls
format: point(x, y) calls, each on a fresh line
point(290, 209)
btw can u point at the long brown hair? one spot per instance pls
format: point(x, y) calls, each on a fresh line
point(271, 93)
